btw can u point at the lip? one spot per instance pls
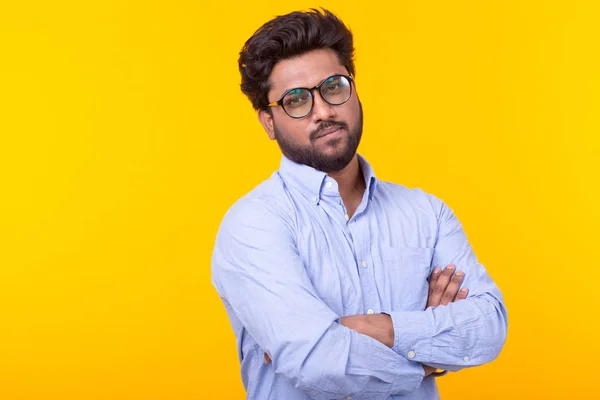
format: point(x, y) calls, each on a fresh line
point(329, 131)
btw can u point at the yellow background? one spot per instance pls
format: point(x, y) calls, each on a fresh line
point(124, 138)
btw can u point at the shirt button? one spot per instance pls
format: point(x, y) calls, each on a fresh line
point(369, 311)
point(329, 185)
point(364, 264)
point(316, 199)
point(411, 354)
point(347, 217)
point(466, 358)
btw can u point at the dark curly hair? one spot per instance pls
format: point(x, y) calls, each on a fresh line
point(287, 36)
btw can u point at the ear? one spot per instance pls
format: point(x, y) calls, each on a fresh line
point(266, 120)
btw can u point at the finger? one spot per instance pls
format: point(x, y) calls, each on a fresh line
point(267, 359)
point(462, 294)
point(440, 286)
point(452, 288)
point(433, 278)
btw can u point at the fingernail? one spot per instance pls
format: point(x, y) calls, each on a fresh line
point(459, 273)
point(464, 289)
point(436, 270)
point(450, 266)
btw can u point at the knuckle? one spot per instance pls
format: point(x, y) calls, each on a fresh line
point(443, 280)
point(448, 295)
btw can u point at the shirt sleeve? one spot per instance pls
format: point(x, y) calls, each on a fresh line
point(257, 270)
point(465, 333)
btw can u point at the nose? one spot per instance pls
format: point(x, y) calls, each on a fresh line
point(322, 111)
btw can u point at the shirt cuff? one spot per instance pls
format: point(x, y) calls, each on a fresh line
point(413, 375)
point(413, 331)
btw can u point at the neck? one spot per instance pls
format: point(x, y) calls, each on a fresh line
point(351, 184)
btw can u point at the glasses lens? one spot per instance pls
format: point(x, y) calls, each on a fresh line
point(336, 90)
point(297, 103)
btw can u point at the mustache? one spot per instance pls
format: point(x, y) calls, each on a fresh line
point(327, 124)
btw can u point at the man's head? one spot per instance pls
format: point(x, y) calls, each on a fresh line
point(302, 50)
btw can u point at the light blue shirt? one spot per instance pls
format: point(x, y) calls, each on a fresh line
point(288, 263)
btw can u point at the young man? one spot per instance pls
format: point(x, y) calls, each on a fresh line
point(330, 276)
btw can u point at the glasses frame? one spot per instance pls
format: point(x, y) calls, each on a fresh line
point(312, 96)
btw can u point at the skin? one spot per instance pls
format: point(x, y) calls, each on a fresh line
point(309, 70)
point(301, 136)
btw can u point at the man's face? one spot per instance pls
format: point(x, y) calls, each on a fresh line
point(327, 138)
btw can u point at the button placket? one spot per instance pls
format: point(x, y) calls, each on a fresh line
point(364, 263)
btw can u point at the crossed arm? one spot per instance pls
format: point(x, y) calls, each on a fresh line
point(327, 356)
point(443, 289)
point(451, 335)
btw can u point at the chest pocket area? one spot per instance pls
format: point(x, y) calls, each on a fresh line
point(406, 273)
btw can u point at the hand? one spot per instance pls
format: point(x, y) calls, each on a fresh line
point(428, 370)
point(443, 289)
point(443, 286)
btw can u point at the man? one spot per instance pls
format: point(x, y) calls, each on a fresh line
point(330, 276)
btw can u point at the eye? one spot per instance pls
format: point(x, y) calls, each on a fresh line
point(295, 100)
point(332, 84)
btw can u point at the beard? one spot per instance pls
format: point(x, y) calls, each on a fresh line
point(313, 156)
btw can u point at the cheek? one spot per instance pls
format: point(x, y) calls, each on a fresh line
point(294, 130)
point(352, 112)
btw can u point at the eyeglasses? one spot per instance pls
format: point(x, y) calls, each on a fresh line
point(298, 102)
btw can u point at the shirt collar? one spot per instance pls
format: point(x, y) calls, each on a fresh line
point(369, 175)
point(310, 182)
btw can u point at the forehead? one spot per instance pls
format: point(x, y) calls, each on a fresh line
point(306, 70)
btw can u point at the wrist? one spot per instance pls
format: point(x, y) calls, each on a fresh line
point(376, 326)
point(388, 326)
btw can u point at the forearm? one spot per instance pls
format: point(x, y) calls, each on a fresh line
point(460, 334)
point(467, 333)
point(378, 327)
point(313, 351)
point(344, 362)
